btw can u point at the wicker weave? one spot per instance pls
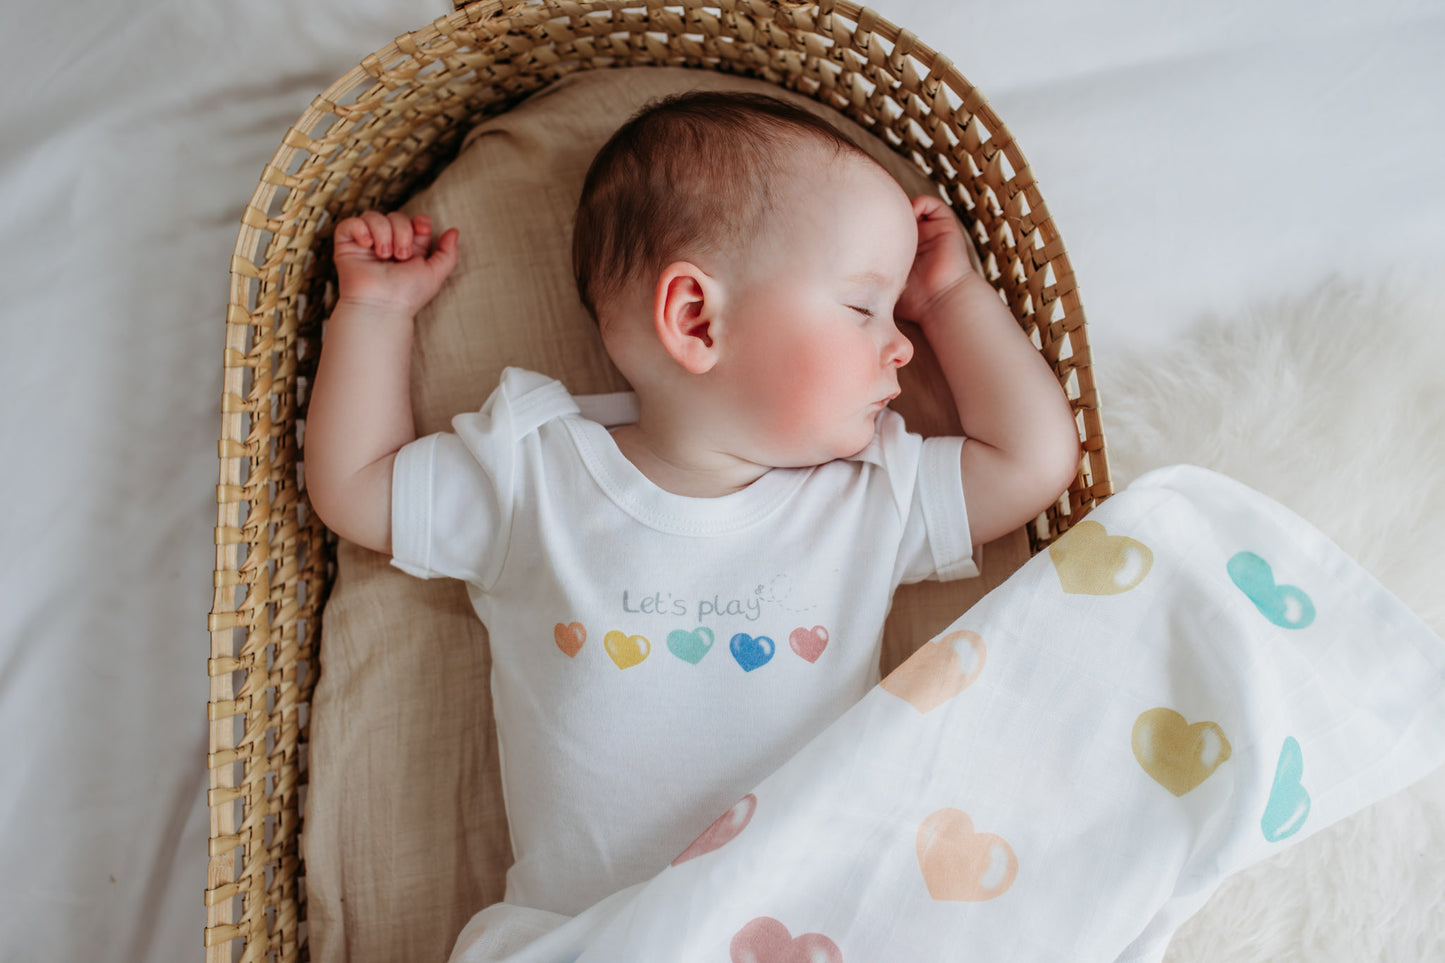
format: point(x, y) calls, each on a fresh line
point(376, 137)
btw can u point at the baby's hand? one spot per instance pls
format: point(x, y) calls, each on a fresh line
point(941, 262)
point(388, 261)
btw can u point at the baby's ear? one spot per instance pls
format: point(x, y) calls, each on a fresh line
point(684, 308)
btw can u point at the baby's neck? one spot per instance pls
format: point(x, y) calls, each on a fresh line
point(683, 469)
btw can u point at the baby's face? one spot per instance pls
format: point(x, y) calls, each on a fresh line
point(814, 352)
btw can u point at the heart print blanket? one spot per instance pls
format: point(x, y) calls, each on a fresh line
point(1190, 679)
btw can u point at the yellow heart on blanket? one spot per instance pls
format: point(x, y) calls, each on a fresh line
point(1090, 561)
point(626, 650)
point(1177, 755)
point(938, 671)
point(961, 865)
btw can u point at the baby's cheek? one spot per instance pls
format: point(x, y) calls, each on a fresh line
point(802, 384)
point(780, 409)
point(782, 372)
point(808, 402)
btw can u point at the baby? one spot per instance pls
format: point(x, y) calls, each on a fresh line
point(677, 605)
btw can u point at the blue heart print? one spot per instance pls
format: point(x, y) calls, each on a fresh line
point(690, 646)
point(752, 652)
point(1285, 605)
point(1289, 803)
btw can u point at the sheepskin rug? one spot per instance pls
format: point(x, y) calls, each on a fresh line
point(1335, 406)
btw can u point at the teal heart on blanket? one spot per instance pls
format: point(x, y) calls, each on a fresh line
point(690, 646)
point(752, 652)
point(1289, 803)
point(1285, 605)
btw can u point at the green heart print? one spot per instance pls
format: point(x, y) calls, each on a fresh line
point(690, 646)
point(1285, 605)
point(1289, 803)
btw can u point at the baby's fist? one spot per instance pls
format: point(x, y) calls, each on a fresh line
point(390, 261)
point(941, 262)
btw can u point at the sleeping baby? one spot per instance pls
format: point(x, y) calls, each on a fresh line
point(679, 600)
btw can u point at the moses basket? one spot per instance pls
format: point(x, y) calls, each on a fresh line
point(372, 140)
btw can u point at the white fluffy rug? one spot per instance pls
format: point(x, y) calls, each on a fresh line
point(1335, 406)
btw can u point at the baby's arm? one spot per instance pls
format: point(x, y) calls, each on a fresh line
point(360, 408)
point(1022, 447)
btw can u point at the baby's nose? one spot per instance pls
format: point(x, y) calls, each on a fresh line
point(899, 350)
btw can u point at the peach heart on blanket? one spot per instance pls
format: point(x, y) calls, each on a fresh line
point(938, 671)
point(626, 650)
point(809, 643)
point(961, 865)
point(1175, 754)
point(722, 831)
point(765, 940)
point(570, 637)
point(1090, 561)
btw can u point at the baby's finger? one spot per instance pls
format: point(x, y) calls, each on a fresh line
point(421, 235)
point(400, 235)
point(352, 230)
point(926, 207)
point(380, 229)
point(935, 219)
point(444, 258)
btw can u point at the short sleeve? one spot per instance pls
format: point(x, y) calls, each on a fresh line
point(937, 543)
point(452, 492)
point(448, 515)
point(927, 479)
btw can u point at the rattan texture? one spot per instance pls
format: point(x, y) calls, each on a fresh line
point(373, 139)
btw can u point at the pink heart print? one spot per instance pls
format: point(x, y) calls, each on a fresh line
point(809, 643)
point(765, 940)
point(722, 831)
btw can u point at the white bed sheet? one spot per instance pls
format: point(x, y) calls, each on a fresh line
point(1196, 159)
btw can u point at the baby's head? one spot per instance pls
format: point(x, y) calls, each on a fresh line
point(742, 255)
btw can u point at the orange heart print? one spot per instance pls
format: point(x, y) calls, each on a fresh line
point(569, 637)
point(938, 671)
point(961, 865)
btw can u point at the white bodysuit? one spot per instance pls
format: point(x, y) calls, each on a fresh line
point(654, 656)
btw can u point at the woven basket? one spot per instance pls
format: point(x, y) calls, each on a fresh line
point(372, 140)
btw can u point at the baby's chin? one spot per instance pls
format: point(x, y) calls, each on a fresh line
point(807, 445)
point(856, 444)
point(844, 448)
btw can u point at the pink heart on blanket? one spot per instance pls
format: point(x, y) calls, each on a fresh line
point(722, 831)
point(765, 940)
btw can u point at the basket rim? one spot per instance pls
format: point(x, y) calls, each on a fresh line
point(941, 71)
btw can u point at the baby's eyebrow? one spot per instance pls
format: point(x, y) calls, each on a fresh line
point(872, 277)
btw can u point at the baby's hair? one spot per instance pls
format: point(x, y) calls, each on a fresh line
point(687, 174)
